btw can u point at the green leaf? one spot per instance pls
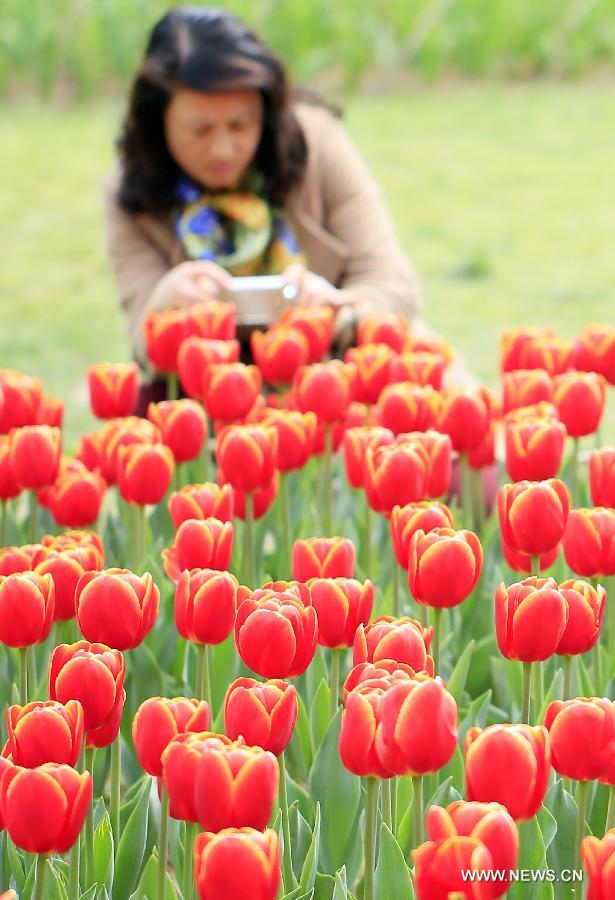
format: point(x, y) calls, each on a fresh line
point(555, 692)
point(90, 893)
point(455, 770)
point(300, 837)
point(339, 795)
point(531, 856)
point(17, 865)
point(319, 714)
point(310, 865)
point(299, 751)
point(476, 714)
point(562, 849)
point(131, 848)
point(393, 879)
point(341, 888)
point(457, 681)
point(103, 853)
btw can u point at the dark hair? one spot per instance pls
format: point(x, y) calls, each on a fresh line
point(207, 50)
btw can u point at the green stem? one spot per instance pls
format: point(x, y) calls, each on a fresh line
point(437, 622)
point(177, 479)
point(200, 665)
point(610, 813)
point(395, 587)
point(23, 675)
point(417, 810)
point(172, 386)
point(478, 497)
point(206, 686)
point(367, 550)
point(32, 673)
point(116, 780)
point(89, 824)
point(538, 689)
point(567, 661)
point(74, 891)
point(286, 528)
point(335, 680)
point(536, 566)
point(574, 474)
point(466, 491)
point(394, 804)
point(328, 484)
point(205, 455)
point(387, 802)
point(41, 874)
point(582, 803)
point(610, 616)
point(139, 537)
point(525, 700)
point(191, 830)
point(287, 861)
point(163, 842)
point(249, 542)
point(33, 517)
point(373, 786)
point(3, 519)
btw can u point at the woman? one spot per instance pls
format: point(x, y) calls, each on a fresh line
point(221, 172)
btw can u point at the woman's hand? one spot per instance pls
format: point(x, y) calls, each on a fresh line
point(189, 283)
point(312, 289)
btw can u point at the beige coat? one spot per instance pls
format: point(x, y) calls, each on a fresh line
point(338, 216)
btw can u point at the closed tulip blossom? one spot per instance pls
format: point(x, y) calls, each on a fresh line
point(116, 607)
point(361, 723)
point(119, 433)
point(404, 640)
point(341, 604)
point(35, 455)
point(549, 352)
point(534, 449)
point(406, 520)
point(263, 713)
point(22, 398)
point(14, 560)
point(530, 619)
point(589, 542)
point(50, 411)
point(27, 603)
point(444, 566)
point(45, 731)
point(9, 486)
point(580, 398)
point(195, 356)
point(405, 407)
point(439, 451)
point(597, 855)
point(144, 473)
point(113, 389)
point(66, 568)
point(279, 352)
point(323, 558)
point(44, 809)
point(386, 671)
point(421, 367)
point(465, 415)
point(525, 387)
point(94, 675)
point(582, 736)
point(201, 501)
point(296, 434)
point(247, 456)
point(159, 720)
point(237, 862)
point(466, 836)
point(261, 498)
point(594, 351)
point(512, 342)
point(199, 544)
point(602, 477)
point(385, 328)
point(395, 475)
point(356, 442)
point(533, 515)
point(205, 605)
point(235, 785)
point(316, 323)
point(180, 760)
point(373, 364)
point(183, 426)
point(508, 764)
point(586, 607)
point(276, 630)
point(75, 498)
point(325, 389)
point(230, 390)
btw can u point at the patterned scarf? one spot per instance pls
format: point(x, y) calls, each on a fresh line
point(238, 229)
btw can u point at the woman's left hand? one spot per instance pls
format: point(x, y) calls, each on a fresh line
point(313, 289)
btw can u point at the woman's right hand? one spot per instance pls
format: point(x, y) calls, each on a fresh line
point(189, 283)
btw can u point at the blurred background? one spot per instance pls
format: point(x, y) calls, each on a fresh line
point(490, 127)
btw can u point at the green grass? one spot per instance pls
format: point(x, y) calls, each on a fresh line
point(502, 196)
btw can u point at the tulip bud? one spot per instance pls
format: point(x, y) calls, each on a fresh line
point(113, 389)
point(530, 619)
point(508, 764)
point(237, 862)
point(586, 606)
point(9, 486)
point(50, 411)
point(594, 351)
point(439, 450)
point(279, 352)
point(66, 566)
point(183, 425)
point(534, 449)
point(602, 477)
point(323, 558)
point(580, 398)
point(158, 721)
point(546, 352)
point(35, 455)
point(381, 674)
point(296, 432)
point(356, 442)
point(465, 415)
point(373, 363)
point(384, 328)
point(589, 542)
point(180, 760)
point(144, 472)
point(22, 398)
point(525, 387)
point(325, 389)
point(230, 390)
point(116, 607)
point(264, 714)
point(27, 603)
point(406, 520)
point(444, 566)
point(582, 736)
point(276, 630)
point(199, 544)
point(201, 501)
point(361, 722)
point(341, 604)
point(262, 498)
point(205, 605)
point(419, 368)
point(316, 323)
point(247, 456)
point(44, 732)
point(395, 475)
point(195, 356)
point(405, 407)
point(120, 433)
point(597, 855)
point(75, 498)
point(403, 640)
point(14, 560)
point(533, 515)
point(514, 340)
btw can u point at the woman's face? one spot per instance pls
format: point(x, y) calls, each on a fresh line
point(213, 137)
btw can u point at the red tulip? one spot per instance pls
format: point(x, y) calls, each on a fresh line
point(200, 544)
point(201, 501)
point(196, 354)
point(598, 855)
point(183, 425)
point(279, 352)
point(205, 605)
point(543, 410)
point(325, 389)
point(406, 520)
point(373, 363)
point(551, 353)
point(236, 784)
point(341, 604)
point(75, 498)
point(356, 442)
point(508, 764)
point(116, 607)
point(166, 331)
point(66, 566)
point(525, 387)
point(44, 732)
point(44, 809)
point(81, 538)
point(386, 671)
point(237, 862)
point(263, 713)
point(594, 351)
point(586, 606)
point(9, 486)
point(602, 476)
point(476, 837)
point(484, 455)
point(262, 498)
point(530, 619)
point(276, 630)
point(296, 433)
point(384, 328)
point(514, 340)
point(419, 367)
point(120, 433)
point(405, 407)
point(113, 389)
point(247, 456)
point(50, 411)
point(361, 723)
point(444, 566)
point(93, 674)
point(316, 323)
point(323, 558)
point(180, 760)
point(534, 449)
point(523, 562)
point(465, 415)
point(580, 398)
point(35, 455)
point(90, 450)
point(403, 640)
point(27, 602)
point(395, 475)
point(144, 472)
point(582, 736)
point(230, 390)
point(589, 542)
point(439, 451)
point(22, 398)
point(14, 560)
point(533, 515)
point(158, 720)
point(432, 343)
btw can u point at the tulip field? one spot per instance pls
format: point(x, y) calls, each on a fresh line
point(311, 628)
